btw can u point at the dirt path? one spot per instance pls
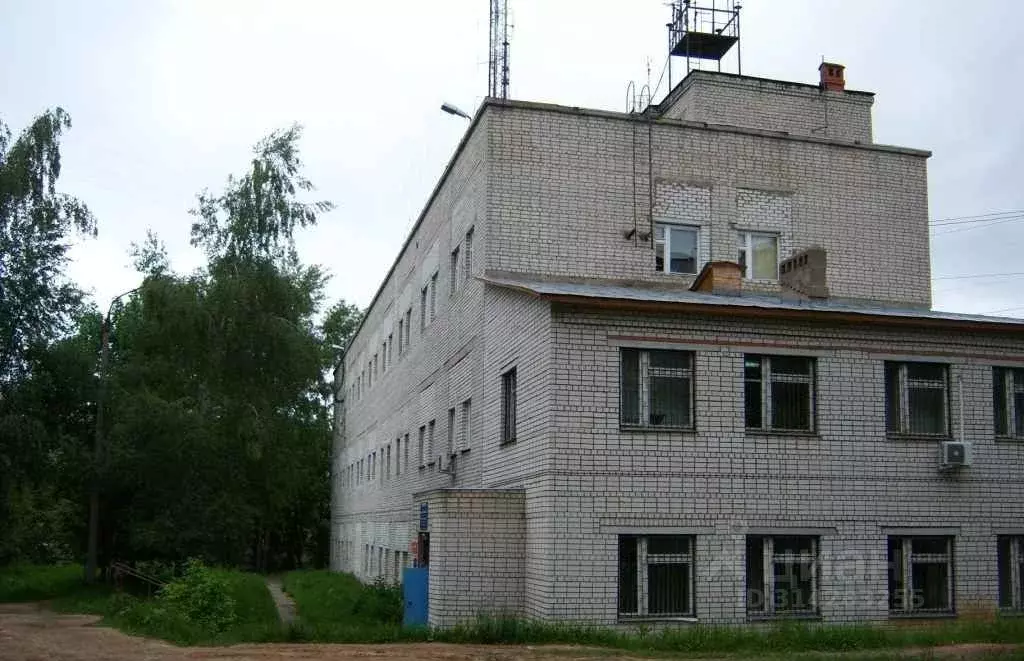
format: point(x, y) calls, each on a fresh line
point(30, 633)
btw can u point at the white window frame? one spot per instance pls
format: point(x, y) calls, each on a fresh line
point(767, 379)
point(431, 427)
point(422, 446)
point(509, 404)
point(1016, 562)
point(666, 262)
point(1010, 388)
point(770, 559)
point(904, 383)
point(746, 246)
point(643, 559)
point(451, 431)
point(424, 298)
point(644, 388)
point(467, 413)
point(907, 570)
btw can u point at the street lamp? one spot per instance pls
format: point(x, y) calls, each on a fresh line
point(454, 110)
point(94, 495)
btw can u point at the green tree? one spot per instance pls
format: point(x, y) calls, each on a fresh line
point(219, 441)
point(37, 223)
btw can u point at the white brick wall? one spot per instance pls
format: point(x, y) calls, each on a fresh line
point(799, 109)
point(550, 192)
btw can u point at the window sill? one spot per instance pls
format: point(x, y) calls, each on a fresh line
point(775, 617)
point(781, 432)
point(1009, 439)
point(505, 444)
point(631, 619)
point(655, 428)
point(918, 437)
point(929, 615)
point(1010, 612)
point(423, 468)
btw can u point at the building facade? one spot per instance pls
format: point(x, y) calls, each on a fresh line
point(680, 365)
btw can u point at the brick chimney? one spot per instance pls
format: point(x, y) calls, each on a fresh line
point(832, 76)
point(719, 278)
point(804, 273)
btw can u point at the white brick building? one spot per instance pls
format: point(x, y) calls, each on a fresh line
point(600, 434)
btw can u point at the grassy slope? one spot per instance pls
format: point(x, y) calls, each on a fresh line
point(256, 615)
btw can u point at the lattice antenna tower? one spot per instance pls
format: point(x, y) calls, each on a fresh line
point(497, 72)
point(703, 30)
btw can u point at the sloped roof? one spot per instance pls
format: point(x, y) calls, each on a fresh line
point(641, 297)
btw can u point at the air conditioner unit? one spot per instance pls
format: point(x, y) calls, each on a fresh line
point(955, 454)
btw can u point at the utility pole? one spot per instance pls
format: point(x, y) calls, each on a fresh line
point(98, 445)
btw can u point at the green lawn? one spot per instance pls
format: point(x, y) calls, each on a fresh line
point(249, 614)
point(221, 606)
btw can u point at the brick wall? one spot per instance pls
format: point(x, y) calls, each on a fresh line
point(565, 189)
point(477, 551)
point(716, 98)
point(849, 483)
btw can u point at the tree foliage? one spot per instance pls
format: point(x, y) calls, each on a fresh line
point(36, 225)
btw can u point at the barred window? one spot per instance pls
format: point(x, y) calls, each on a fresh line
point(779, 392)
point(656, 388)
point(920, 575)
point(656, 576)
point(467, 264)
point(1011, 572)
point(917, 398)
point(508, 406)
point(782, 575)
point(1008, 401)
point(453, 275)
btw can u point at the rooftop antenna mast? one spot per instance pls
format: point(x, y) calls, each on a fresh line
point(497, 72)
point(703, 30)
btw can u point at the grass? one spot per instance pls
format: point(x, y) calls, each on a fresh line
point(253, 616)
point(338, 608)
point(37, 582)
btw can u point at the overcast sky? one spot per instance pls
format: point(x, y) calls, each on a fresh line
point(168, 97)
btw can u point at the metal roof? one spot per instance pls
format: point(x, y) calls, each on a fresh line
point(623, 292)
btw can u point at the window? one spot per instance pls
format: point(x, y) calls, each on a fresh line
point(1011, 573)
point(430, 442)
point(398, 456)
point(1008, 400)
point(759, 256)
point(782, 575)
point(423, 306)
point(464, 429)
point(778, 392)
point(467, 260)
point(408, 328)
point(390, 350)
point(655, 576)
point(920, 575)
point(423, 436)
point(916, 398)
point(433, 296)
point(405, 459)
point(453, 275)
point(387, 462)
point(451, 431)
point(679, 243)
point(656, 388)
point(508, 406)
point(401, 336)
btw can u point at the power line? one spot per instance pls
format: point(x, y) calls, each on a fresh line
point(989, 223)
point(977, 218)
point(1019, 307)
point(978, 275)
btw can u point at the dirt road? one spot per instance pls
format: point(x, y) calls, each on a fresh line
point(31, 633)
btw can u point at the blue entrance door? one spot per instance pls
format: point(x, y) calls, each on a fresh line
point(414, 592)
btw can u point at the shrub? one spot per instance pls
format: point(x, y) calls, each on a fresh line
point(379, 603)
point(200, 596)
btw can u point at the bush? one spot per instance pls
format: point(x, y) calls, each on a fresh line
point(200, 596)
